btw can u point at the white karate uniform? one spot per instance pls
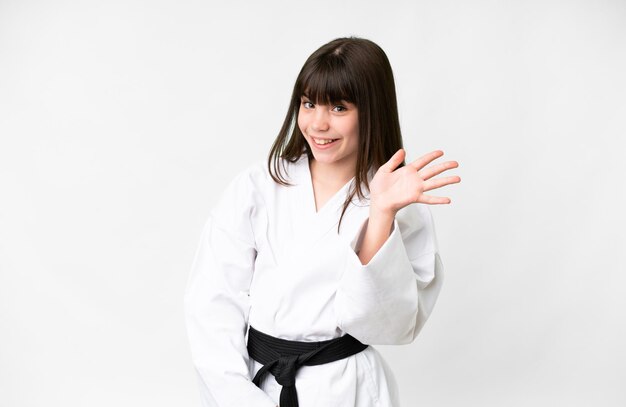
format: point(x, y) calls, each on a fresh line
point(267, 259)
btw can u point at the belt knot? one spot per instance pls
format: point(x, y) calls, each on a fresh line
point(278, 358)
point(285, 370)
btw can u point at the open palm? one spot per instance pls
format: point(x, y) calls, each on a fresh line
point(393, 188)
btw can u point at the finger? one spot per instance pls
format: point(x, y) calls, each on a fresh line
point(434, 200)
point(425, 159)
point(433, 170)
point(394, 161)
point(440, 182)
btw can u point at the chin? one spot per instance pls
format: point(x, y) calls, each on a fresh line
point(327, 160)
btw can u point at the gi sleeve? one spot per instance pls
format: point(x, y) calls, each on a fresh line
point(388, 300)
point(217, 301)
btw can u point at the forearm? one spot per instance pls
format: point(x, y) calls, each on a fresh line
point(377, 232)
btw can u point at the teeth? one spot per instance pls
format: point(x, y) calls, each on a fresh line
point(322, 142)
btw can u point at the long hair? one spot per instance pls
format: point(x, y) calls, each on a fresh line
point(358, 71)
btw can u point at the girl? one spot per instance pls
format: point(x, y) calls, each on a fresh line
point(281, 306)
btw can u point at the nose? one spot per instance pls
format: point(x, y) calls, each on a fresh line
point(320, 119)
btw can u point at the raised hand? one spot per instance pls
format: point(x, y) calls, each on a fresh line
point(394, 188)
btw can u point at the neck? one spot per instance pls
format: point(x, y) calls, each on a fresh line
point(332, 174)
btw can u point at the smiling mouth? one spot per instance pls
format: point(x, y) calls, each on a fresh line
point(323, 142)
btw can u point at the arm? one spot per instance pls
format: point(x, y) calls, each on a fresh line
point(387, 293)
point(379, 226)
point(217, 303)
point(388, 300)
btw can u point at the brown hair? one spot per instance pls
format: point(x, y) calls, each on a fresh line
point(355, 70)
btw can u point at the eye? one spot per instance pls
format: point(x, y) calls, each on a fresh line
point(341, 107)
point(305, 102)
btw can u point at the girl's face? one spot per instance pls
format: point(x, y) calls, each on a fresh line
point(322, 123)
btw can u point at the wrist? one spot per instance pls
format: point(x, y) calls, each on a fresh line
point(381, 221)
point(377, 212)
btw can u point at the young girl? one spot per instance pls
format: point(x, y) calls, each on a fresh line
point(328, 248)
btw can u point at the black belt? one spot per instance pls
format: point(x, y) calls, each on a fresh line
point(283, 358)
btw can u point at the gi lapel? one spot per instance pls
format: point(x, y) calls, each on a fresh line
point(327, 217)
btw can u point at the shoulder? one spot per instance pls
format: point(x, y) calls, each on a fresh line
point(242, 198)
point(257, 173)
point(252, 175)
point(249, 180)
point(253, 181)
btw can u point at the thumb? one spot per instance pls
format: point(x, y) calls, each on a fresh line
point(394, 161)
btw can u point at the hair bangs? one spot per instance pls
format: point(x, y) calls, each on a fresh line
point(328, 83)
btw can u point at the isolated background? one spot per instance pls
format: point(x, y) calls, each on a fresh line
point(122, 121)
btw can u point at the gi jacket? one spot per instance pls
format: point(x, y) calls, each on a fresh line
point(267, 258)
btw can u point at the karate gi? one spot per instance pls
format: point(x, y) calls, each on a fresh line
point(267, 259)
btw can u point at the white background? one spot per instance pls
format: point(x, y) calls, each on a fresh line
point(122, 121)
